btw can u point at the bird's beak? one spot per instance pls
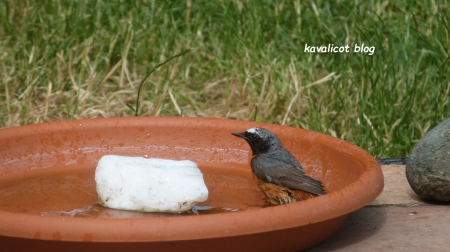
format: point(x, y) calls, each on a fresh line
point(241, 135)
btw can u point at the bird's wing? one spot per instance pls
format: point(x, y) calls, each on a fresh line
point(283, 171)
point(297, 179)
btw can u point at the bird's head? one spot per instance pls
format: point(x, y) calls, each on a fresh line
point(260, 140)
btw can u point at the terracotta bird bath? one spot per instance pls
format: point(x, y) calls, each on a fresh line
point(48, 200)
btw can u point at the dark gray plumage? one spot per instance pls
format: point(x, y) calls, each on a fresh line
point(274, 164)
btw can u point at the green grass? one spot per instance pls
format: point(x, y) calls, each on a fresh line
point(85, 59)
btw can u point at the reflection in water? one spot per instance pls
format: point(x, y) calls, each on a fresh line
point(77, 212)
point(98, 211)
point(199, 210)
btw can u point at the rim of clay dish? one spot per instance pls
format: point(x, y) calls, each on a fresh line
point(329, 206)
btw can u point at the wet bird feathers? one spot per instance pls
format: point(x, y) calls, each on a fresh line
point(276, 172)
point(287, 172)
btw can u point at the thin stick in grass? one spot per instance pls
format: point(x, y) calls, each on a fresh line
point(136, 111)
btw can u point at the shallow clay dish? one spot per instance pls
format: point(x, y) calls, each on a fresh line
point(48, 198)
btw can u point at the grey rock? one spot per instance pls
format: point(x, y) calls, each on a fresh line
point(428, 166)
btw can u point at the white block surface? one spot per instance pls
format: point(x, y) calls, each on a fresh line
point(149, 184)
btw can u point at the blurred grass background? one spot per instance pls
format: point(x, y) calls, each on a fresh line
point(85, 59)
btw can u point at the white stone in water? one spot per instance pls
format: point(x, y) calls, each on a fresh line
point(149, 184)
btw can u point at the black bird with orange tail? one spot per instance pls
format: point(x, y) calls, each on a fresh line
point(276, 171)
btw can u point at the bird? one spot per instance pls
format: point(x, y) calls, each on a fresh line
point(276, 172)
